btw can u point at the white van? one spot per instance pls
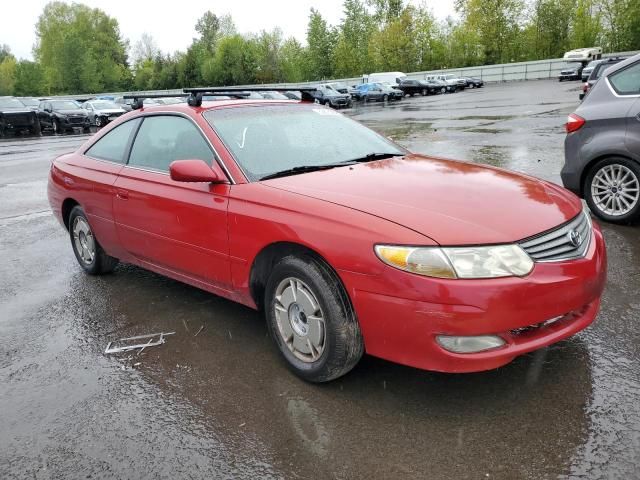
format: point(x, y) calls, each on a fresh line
point(393, 78)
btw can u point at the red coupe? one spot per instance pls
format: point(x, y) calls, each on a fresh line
point(348, 242)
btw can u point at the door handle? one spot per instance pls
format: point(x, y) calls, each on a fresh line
point(122, 194)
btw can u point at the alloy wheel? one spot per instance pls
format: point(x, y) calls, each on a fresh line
point(300, 319)
point(83, 240)
point(615, 189)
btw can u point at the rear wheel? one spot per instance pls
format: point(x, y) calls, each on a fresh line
point(385, 98)
point(311, 320)
point(90, 255)
point(443, 90)
point(36, 129)
point(612, 190)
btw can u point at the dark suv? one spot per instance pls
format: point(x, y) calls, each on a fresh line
point(597, 71)
point(602, 148)
point(63, 115)
point(15, 117)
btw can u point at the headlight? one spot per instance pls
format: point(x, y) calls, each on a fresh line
point(458, 262)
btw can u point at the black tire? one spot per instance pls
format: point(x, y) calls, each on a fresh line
point(424, 92)
point(3, 131)
point(101, 263)
point(86, 129)
point(385, 98)
point(443, 90)
point(98, 121)
point(471, 85)
point(632, 216)
point(343, 344)
point(36, 129)
point(55, 125)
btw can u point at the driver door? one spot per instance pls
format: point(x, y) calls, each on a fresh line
point(178, 227)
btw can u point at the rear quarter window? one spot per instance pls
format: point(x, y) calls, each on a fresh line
point(627, 80)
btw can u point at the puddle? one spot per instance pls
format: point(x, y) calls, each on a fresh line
point(491, 155)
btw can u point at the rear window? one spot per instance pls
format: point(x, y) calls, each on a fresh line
point(627, 80)
point(112, 147)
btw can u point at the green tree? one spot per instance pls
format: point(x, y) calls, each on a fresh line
point(586, 24)
point(235, 61)
point(29, 79)
point(5, 52)
point(351, 55)
point(395, 46)
point(293, 61)
point(320, 40)
point(267, 53)
point(497, 25)
point(7, 75)
point(80, 49)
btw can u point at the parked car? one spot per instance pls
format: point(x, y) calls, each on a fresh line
point(274, 96)
point(16, 117)
point(440, 86)
point(602, 147)
point(101, 112)
point(597, 72)
point(584, 54)
point(30, 103)
point(571, 71)
point(169, 100)
point(371, 92)
point(586, 71)
point(126, 103)
point(473, 82)
point(325, 94)
point(339, 86)
point(346, 241)
point(62, 115)
point(392, 90)
point(451, 80)
point(293, 95)
point(413, 87)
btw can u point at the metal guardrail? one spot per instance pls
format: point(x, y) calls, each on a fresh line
point(507, 72)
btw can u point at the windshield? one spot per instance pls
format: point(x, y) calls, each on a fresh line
point(268, 139)
point(570, 64)
point(64, 105)
point(10, 103)
point(104, 105)
point(30, 102)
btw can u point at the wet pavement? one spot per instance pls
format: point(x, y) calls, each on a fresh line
point(221, 404)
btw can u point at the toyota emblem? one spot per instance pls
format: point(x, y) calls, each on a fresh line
point(575, 237)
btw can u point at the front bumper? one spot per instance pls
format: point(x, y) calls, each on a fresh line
point(401, 314)
point(569, 76)
point(74, 122)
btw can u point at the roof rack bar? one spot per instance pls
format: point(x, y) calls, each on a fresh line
point(154, 95)
point(196, 94)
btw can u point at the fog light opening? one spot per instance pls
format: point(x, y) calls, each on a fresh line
point(473, 344)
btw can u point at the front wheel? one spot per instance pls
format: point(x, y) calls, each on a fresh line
point(57, 129)
point(612, 190)
point(424, 92)
point(443, 90)
point(385, 98)
point(311, 320)
point(90, 255)
point(98, 121)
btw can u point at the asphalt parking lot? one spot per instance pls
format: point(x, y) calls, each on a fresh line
point(216, 401)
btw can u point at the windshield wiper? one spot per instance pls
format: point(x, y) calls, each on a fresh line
point(299, 169)
point(313, 168)
point(370, 157)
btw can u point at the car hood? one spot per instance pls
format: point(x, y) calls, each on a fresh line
point(107, 111)
point(451, 202)
point(71, 112)
point(15, 110)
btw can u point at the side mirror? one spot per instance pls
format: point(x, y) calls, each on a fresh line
point(192, 171)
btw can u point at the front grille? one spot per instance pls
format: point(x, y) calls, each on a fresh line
point(19, 118)
point(76, 119)
point(565, 242)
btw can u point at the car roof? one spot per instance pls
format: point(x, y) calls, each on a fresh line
point(621, 64)
point(215, 104)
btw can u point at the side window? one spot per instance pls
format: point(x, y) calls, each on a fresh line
point(113, 145)
point(626, 81)
point(163, 139)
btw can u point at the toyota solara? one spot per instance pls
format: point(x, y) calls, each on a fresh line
point(348, 242)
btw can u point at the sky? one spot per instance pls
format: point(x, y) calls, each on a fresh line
point(172, 26)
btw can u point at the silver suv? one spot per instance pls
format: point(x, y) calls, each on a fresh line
point(602, 148)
